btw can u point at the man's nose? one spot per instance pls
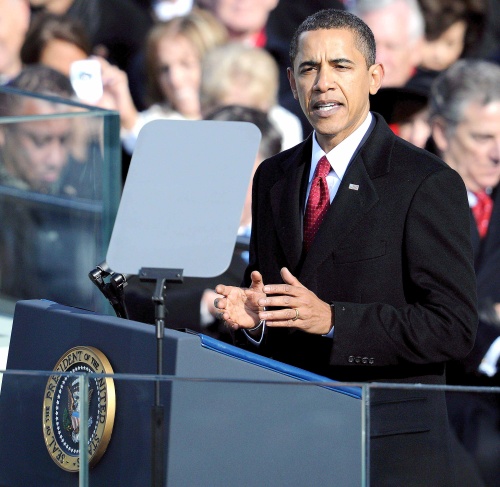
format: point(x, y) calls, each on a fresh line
point(176, 77)
point(495, 150)
point(57, 153)
point(325, 79)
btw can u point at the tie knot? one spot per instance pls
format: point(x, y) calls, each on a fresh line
point(483, 198)
point(323, 168)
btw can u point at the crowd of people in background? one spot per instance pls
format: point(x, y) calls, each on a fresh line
point(192, 59)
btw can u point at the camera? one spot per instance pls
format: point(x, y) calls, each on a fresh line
point(85, 76)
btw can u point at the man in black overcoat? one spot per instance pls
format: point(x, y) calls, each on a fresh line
point(386, 290)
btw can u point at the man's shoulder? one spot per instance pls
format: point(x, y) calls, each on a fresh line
point(425, 160)
point(383, 147)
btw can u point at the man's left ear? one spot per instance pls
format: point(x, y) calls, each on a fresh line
point(376, 72)
point(291, 79)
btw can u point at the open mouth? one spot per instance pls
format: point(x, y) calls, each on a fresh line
point(326, 108)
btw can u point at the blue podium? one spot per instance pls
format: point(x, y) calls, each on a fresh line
point(232, 418)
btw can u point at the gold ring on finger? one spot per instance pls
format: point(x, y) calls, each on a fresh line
point(296, 314)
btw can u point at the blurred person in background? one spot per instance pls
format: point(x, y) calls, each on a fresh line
point(174, 53)
point(58, 41)
point(465, 120)
point(244, 75)
point(168, 9)
point(453, 29)
point(116, 28)
point(55, 41)
point(45, 245)
point(33, 154)
point(405, 109)
point(245, 20)
point(14, 23)
point(398, 27)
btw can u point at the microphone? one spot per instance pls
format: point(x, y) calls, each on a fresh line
point(112, 288)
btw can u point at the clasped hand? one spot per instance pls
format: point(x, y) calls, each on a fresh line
point(298, 306)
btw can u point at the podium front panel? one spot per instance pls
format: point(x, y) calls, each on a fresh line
point(228, 421)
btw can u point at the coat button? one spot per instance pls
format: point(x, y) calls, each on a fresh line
point(357, 360)
point(364, 360)
point(371, 361)
point(350, 359)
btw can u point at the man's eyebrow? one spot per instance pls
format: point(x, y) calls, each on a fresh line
point(311, 63)
point(304, 64)
point(341, 60)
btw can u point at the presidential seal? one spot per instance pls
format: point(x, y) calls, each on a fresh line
point(61, 408)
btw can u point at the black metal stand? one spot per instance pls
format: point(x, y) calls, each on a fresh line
point(112, 289)
point(160, 277)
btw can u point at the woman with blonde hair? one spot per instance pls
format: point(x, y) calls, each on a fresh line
point(174, 53)
point(235, 74)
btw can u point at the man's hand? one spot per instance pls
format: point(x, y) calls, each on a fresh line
point(239, 308)
point(116, 94)
point(301, 308)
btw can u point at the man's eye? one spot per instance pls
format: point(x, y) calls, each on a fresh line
point(38, 142)
point(481, 137)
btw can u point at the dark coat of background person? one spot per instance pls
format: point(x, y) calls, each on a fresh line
point(475, 417)
point(402, 310)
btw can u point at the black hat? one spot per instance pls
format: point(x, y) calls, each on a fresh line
point(397, 104)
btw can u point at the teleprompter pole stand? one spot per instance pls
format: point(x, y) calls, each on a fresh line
point(160, 277)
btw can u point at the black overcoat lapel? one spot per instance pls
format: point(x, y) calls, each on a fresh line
point(286, 203)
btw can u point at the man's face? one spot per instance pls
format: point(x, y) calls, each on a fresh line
point(14, 23)
point(396, 49)
point(332, 83)
point(37, 151)
point(473, 149)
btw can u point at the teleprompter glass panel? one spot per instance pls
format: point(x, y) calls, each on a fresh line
point(60, 184)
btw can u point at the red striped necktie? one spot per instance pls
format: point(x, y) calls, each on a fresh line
point(482, 212)
point(318, 202)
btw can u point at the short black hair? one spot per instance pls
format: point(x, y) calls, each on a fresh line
point(337, 19)
point(38, 78)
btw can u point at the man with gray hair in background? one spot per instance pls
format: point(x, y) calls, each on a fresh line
point(398, 27)
point(465, 121)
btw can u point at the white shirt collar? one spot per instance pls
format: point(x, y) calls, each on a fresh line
point(340, 156)
point(473, 198)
